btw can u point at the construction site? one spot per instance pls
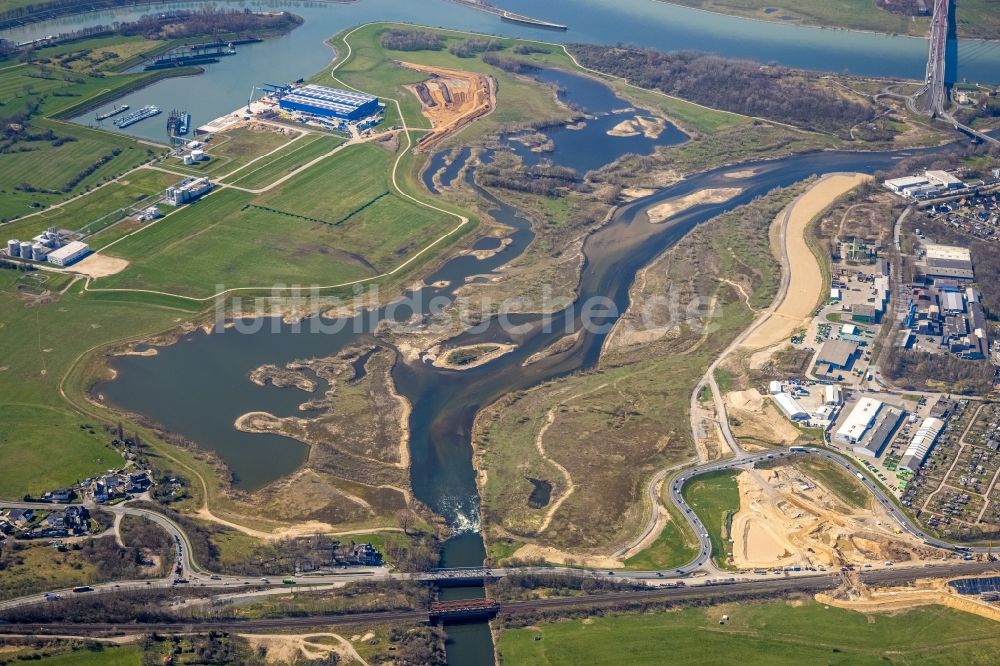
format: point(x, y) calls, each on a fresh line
point(451, 99)
point(790, 519)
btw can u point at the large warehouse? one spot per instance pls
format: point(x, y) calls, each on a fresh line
point(330, 102)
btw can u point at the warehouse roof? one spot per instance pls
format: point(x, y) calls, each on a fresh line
point(859, 420)
point(68, 250)
point(837, 353)
point(335, 95)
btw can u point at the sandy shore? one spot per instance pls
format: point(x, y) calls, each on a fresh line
point(806, 277)
point(649, 127)
point(668, 209)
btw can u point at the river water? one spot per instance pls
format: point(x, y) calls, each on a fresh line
point(642, 22)
point(198, 386)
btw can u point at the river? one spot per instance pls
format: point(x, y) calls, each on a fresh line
point(642, 22)
point(199, 385)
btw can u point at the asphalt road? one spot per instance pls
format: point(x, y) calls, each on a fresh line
point(751, 588)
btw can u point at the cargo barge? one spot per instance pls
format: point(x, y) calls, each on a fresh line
point(147, 111)
point(521, 19)
point(113, 112)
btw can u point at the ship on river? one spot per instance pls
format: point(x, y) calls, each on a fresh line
point(147, 111)
point(113, 112)
point(178, 123)
point(521, 19)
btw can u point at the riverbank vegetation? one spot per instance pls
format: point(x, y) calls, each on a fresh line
point(745, 87)
point(774, 632)
point(683, 310)
point(975, 18)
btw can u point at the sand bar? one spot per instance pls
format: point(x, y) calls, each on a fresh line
point(805, 275)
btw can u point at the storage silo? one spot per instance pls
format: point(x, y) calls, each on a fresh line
point(13, 248)
point(26, 249)
point(39, 252)
point(198, 155)
point(188, 159)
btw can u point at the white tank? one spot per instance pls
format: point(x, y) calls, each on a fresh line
point(39, 252)
point(14, 248)
point(26, 249)
point(197, 155)
point(188, 159)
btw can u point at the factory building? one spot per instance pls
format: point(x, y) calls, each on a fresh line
point(921, 444)
point(834, 356)
point(39, 247)
point(330, 102)
point(833, 395)
point(880, 436)
point(947, 261)
point(790, 407)
point(188, 191)
point(69, 253)
point(931, 183)
point(858, 421)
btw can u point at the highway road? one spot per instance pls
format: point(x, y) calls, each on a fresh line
point(935, 83)
point(682, 594)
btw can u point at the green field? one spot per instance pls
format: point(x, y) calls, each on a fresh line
point(715, 498)
point(290, 234)
point(98, 209)
point(51, 159)
point(41, 441)
point(773, 633)
point(372, 68)
point(125, 655)
point(266, 171)
point(228, 151)
point(675, 546)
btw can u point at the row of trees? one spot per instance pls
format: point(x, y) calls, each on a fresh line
point(471, 47)
point(412, 40)
point(741, 86)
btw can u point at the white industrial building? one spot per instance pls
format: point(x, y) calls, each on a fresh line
point(932, 182)
point(859, 420)
point(775, 387)
point(943, 179)
point(832, 395)
point(921, 444)
point(188, 191)
point(790, 406)
point(69, 253)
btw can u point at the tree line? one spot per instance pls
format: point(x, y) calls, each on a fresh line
point(741, 86)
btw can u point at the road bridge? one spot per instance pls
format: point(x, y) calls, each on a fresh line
point(935, 90)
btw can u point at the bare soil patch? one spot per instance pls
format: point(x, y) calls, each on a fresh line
point(451, 99)
point(99, 265)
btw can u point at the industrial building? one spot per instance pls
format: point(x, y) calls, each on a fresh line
point(790, 407)
point(833, 356)
point(947, 261)
point(329, 102)
point(921, 444)
point(44, 246)
point(188, 191)
point(69, 253)
point(858, 421)
point(881, 434)
point(833, 395)
point(931, 183)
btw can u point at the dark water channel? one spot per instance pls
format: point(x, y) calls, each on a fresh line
point(199, 386)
